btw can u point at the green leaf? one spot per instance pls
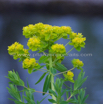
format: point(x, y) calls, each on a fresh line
point(30, 70)
point(60, 67)
point(53, 70)
point(63, 102)
point(35, 70)
point(14, 78)
point(79, 81)
point(41, 78)
point(28, 83)
point(18, 102)
point(30, 96)
point(46, 84)
point(52, 92)
point(72, 101)
point(44, 98)
point(67, 94)
point(85, 98)
point(13, 91)
point(38, 102)
point(78, 49)
point(75, 92)
point(40, 67)
point(43, 59)
point(51, 100)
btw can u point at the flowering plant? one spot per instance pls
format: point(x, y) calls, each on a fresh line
point(42, 38)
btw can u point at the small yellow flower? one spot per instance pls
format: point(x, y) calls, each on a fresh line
point(70, 74)
point(77, 63)
point(29, 63)
point(58, 48)
point(34, 43)
point(15, 48)
point(28, 31)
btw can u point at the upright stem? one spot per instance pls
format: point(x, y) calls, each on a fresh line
point(52, 79)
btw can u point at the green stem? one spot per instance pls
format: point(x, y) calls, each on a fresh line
point(67, 43)
point(64, 72)
point(52, 79)
point(70, 50)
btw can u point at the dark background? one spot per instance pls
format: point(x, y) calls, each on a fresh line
point(83, 16)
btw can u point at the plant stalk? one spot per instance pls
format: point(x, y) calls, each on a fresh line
point(52, 79)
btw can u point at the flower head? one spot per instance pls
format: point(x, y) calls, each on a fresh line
point(34, 43)
point(29, 64)
point(58, 48)
point(29, 31)
point(77, 63)
point(15, 48)
point(77, 40)
point(69, 76)
point(18, 51)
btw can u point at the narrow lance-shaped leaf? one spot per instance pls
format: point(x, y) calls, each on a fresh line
point(51, 100)
point(46, 84)
point(41, 78)
point(60, 67)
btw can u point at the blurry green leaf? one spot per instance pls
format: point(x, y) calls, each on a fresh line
point(41, 78)
point(40, 67)
point(53, 70)
point(30, 70)
point(63, 102)
point(38, 102)
point(79, 81)
point(81, 96)
point(60, 67)
point(51, 100)
point(46, 83)
point(13, 91)
point(14, 78)
point(44, 98)
point(29, 96)
point(78, 49)
point(52, 92)
point(43, 59)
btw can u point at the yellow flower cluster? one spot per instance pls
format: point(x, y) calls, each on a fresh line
point(58, 48)
point(29, 64)
point(45, 31)
point(69, 76)
point(33, 43)
point(29, 31)
point(77, 40)
point(77, 63)
point(17, 50)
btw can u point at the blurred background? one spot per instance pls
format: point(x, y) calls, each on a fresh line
point(84, 16)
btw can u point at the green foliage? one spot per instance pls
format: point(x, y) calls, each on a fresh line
point(46, 84)
point(41, 78)
point(14, 78)
point(43, 59)
point(60, 67)
point(14, 92)
point(79, 81)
